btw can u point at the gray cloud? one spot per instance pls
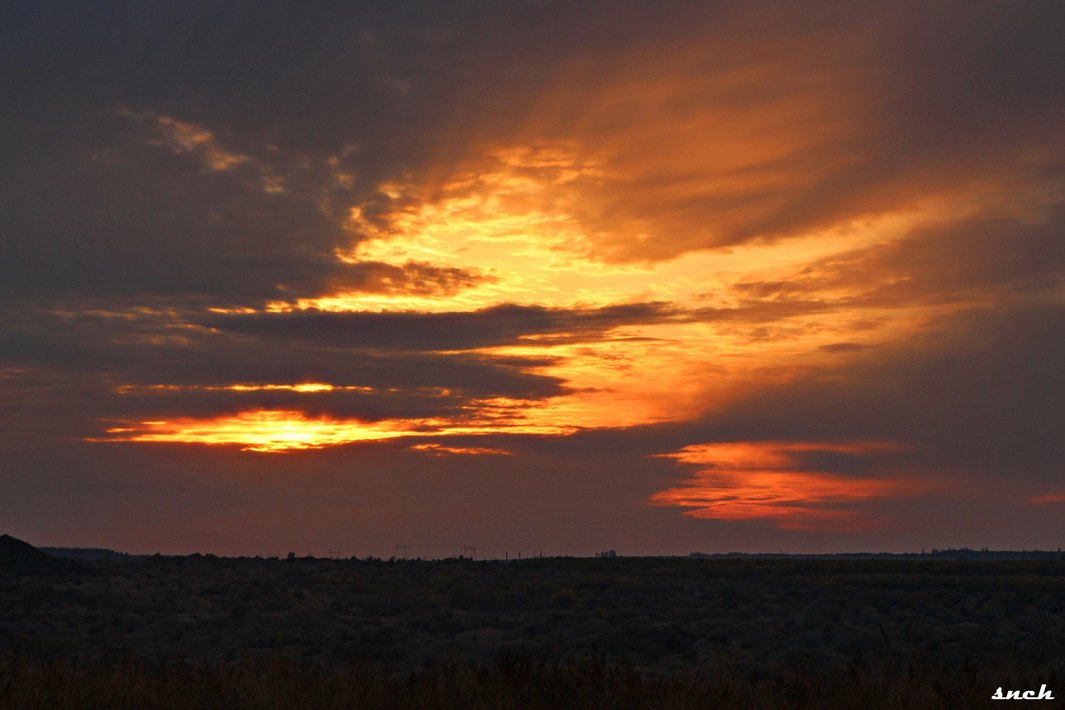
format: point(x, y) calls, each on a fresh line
point(978, 395)
point(386, 92)
point(91, 365)
point(497, 325)
point(132, 218)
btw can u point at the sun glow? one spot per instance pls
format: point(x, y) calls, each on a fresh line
point(304, 387)
point(260, 430)
point(520, 241)
point(273, 431)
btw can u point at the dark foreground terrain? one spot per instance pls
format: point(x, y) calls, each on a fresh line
point(618, 632)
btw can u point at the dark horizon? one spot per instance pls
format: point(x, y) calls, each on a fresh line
point(338, 555)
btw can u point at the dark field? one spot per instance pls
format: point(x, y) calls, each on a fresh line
point(623, 632)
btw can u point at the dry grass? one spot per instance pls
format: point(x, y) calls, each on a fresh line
point(509, 682)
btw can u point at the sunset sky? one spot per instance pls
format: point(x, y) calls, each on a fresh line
point(532, 276)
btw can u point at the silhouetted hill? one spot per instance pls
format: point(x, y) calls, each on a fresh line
point(92, 553)
point(14, 550)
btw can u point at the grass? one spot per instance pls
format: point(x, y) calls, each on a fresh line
point(510, 681)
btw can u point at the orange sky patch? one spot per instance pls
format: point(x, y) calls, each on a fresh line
point(1048, 499)
point(766, 481)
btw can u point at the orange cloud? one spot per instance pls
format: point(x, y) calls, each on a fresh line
point(302, 387)
point(769, 481)
point(187, 137)
point(515, 230)
point(1048, 499)
point(442, 450)
point(515, 217)
point(275, 431)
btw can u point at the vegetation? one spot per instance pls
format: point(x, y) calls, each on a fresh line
point(605, 632)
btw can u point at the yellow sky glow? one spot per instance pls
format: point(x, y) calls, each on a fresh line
point(277, 431)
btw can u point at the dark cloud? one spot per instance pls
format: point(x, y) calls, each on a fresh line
point(131, 218)
point(958, 263)
point(498, 325)
point(930, 96)
point(844, 347)
point(978, 394)
point(95, 201)
point(92, 365)
point(777, 123)
point(411, 278)
point(965, 260)
point(117, 360)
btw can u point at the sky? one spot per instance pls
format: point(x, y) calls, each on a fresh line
point(539, 277)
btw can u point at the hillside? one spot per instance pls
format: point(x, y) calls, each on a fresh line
point(14, 550)
point(89, 554)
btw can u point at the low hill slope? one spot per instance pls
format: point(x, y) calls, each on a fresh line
point(14, 550)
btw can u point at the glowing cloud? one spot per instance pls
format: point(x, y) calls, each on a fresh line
point(260, 430)
point(186, 137)
point(769, 481)
point(302, 387)
point(1048, 499)
point(273, 431)
point(515, 222)
point(442, 450)
point(511, 225)
point(616, 193)
point(512, 220)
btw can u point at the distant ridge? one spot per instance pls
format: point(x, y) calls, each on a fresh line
point(963, 553)
point(92, 553)
point(14, 550)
